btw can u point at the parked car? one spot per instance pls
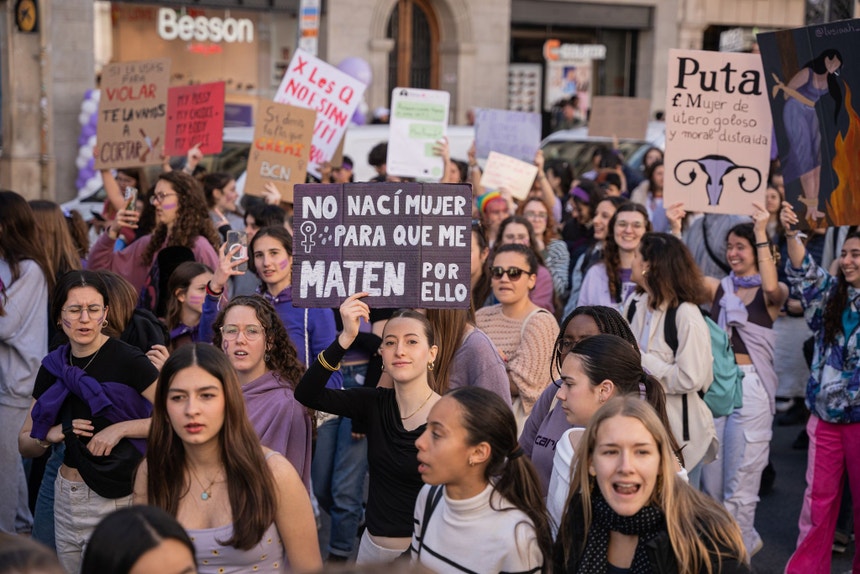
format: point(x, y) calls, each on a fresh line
point(577, 147)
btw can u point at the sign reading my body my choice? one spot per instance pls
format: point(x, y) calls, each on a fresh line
point(407, 244)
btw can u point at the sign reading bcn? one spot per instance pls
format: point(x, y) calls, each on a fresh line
point(172, 26)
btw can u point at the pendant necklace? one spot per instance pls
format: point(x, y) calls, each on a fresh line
point(90, 362)
point(206, 494)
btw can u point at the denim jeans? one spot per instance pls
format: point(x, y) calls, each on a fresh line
point(43, 518)
point(338, 472)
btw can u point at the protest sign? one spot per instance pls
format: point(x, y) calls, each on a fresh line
point(419, 119)
point(516, 134)
point(614, 116)
point(312, 83)
point(718, 132)
point(279, 153)
point(195, 115)
point(813, 102)
point(132, 112)
point(407, 244)
point(507, 172)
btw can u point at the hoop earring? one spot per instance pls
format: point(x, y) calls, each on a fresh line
point(266, 357)
point(105, 323)
point(430, 366)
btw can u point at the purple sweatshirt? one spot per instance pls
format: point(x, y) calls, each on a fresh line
point(282, 424)
point(542, 430)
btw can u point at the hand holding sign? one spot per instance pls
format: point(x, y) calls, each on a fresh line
point(352, 311)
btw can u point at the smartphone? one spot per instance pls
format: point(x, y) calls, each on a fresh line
point(238, 238)
point(131, 198)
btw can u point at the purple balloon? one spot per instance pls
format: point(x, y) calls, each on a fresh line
point(94, 120)
point(358, 117)
point(82, 139)
point(88, 131)
point(358, 68)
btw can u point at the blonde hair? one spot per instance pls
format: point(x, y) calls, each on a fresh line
point(698, 527)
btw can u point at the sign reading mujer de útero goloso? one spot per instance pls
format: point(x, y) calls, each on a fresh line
point(407, 244)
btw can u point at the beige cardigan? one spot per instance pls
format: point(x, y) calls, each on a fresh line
point(686, 373)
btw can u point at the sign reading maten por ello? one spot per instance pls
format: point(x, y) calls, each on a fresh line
point(407, 244)
point(132, 113)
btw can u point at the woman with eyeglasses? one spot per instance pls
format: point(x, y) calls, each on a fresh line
point(609, 282)
point(250, 332)
point(547, 243)
point(547, 421)
point(181, 221)
point(94, 395)
point(523, 332)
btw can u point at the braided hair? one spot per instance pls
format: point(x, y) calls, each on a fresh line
point(608, 320)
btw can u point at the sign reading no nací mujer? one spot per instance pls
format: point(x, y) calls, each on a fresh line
point(407, 244)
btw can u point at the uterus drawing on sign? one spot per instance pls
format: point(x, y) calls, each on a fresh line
point(714, 173)
point(308, 229)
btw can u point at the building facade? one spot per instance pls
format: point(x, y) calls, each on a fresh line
point(516, 54)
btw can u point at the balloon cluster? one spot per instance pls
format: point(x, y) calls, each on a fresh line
point(89, 179)
point(359, 69)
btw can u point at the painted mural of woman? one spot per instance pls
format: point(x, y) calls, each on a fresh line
point(803, 158)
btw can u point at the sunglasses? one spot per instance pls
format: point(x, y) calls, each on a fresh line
point(513, 273)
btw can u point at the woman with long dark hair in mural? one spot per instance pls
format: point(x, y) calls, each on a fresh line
point(803, 159)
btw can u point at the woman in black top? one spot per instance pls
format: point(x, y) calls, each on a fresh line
point(394, 419)
point(94, 395)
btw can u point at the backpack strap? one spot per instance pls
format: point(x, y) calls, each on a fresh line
point(719, 262)
point(433, 498)
point(670, 329)
point(631, 310)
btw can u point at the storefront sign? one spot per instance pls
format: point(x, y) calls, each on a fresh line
point(512, 133)
point(555, 50)
point(407, 244)
point(172, 26)
point(281, 147)
point(507, 172)
point(419, 119)
point(309, 25)
point(195, 116)
point(314, 84)
point(132, 113)
point(718, 132)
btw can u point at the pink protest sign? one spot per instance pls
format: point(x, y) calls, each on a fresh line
point(195, 115)
point(314, 84)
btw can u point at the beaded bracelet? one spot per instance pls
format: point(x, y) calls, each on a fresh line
point(763, 244)
point(212, 292)
point(325, 363)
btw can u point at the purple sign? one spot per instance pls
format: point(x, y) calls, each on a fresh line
point(407, 244)
point(516, 134)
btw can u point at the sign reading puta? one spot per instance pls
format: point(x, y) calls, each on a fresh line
point(172, 26)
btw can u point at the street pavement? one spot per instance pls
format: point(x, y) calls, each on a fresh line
point(778, 511)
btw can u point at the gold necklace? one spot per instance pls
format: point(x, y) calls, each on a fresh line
point(206, 494)
point(90, 362)
point(419, 408)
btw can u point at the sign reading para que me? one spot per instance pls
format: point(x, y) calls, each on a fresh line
point(407, 244)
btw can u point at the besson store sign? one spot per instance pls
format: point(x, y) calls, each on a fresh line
point(172, 26)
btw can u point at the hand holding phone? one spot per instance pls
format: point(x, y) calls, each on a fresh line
point(239, 238)
point(131, 198)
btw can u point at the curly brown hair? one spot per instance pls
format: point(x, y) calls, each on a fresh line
point(673, 276)
point(611, 255)
point(281, 356)
point(192, 218)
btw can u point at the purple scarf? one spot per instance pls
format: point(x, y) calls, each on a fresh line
point(114, 401)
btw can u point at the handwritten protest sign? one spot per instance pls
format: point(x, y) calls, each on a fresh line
point(312, 83)
point(407, 244)
point(419, 119)
point(614, 116)
point(516, 134)
point(507, 172)
point(718, 132)
point(814, 100)
point(195, 115)
point(132, 112)
point(279, 153)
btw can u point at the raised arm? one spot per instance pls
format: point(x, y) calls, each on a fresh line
point(796, 249)
point(775, 292)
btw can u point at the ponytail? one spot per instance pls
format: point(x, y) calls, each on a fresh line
point(487, 418)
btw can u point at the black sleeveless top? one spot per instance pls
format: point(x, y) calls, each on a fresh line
point(757, 314)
